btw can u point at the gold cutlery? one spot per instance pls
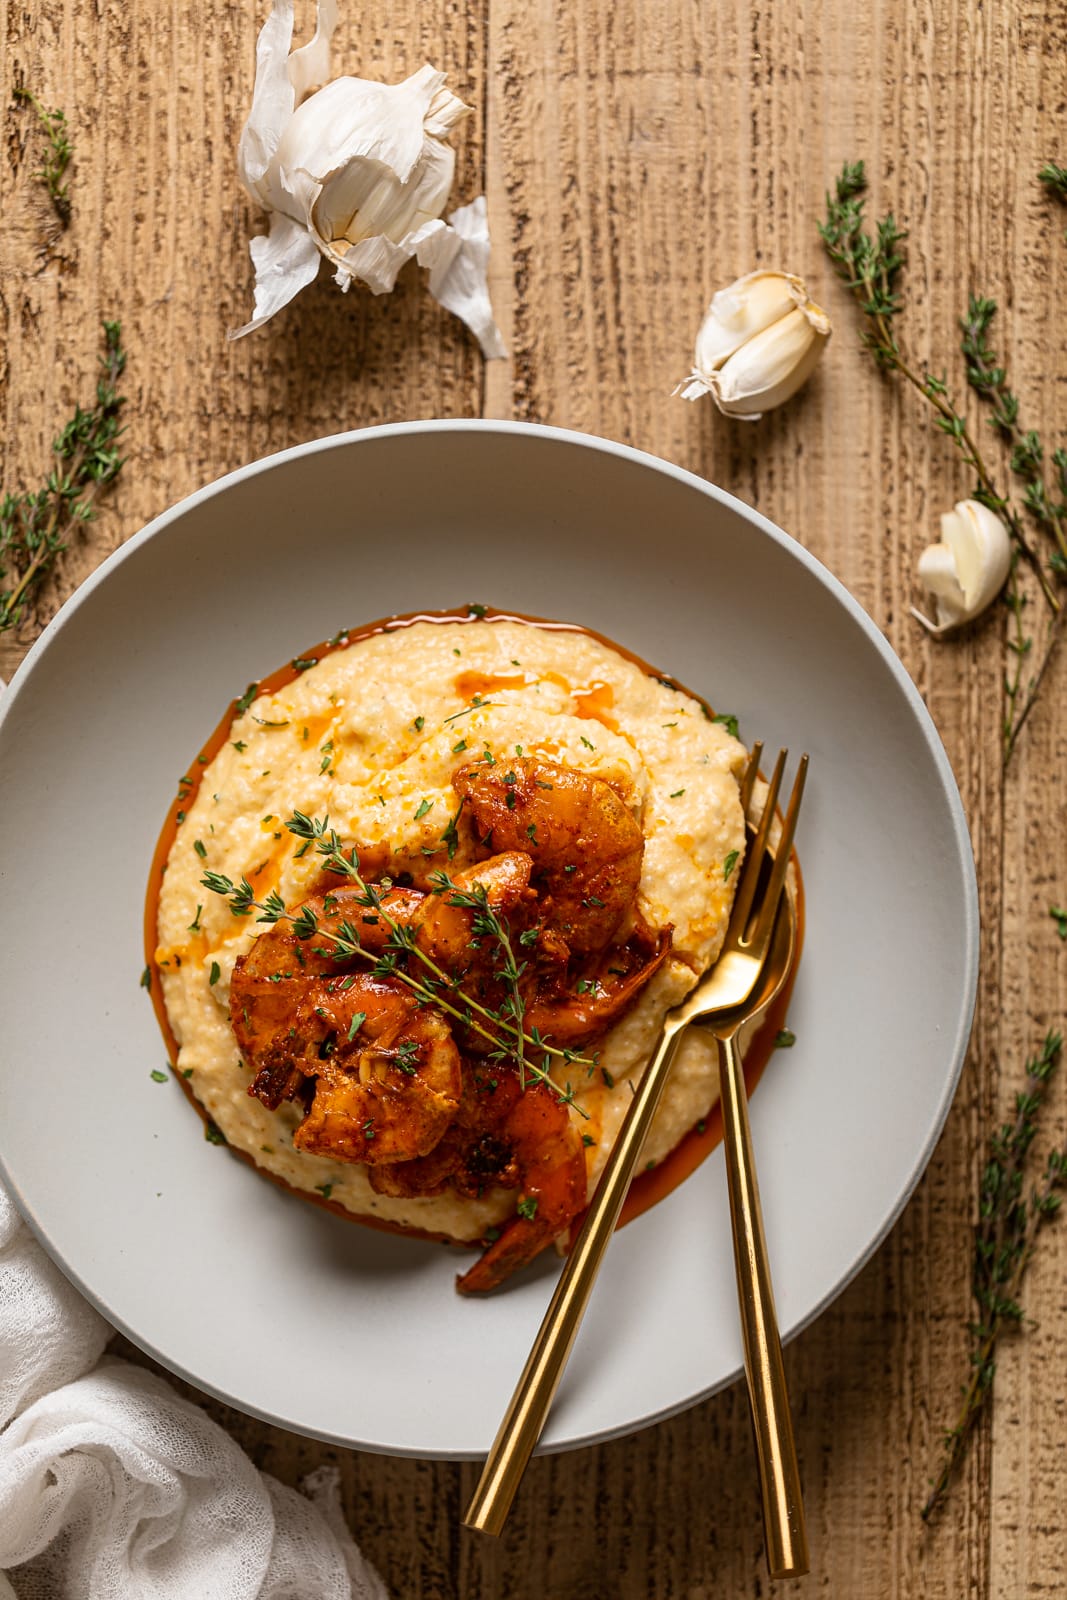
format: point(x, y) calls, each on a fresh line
point(751, 968)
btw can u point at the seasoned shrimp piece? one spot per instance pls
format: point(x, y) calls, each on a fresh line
point(538, 1147)
point(572, 1017)
point(509, 1138)
point(585, 844)
point(446, 930)
point(269, 982)
point(388, 1082)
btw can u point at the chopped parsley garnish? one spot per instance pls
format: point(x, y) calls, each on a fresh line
point(146, 978)
point(157, 1076)
point(368, 1128)
point(677, 794)
point(302, 663)
point(426, 805)
point(458, 749)
point(728, 865)
point(527, 1207)
point(589, 745)
point(477, 704)
point(354, 1026)
point(585, 986)
point(419, 724)
point(201, 848)
point(213, 1133)
point(476, 610)
point(247, 698)
point(608, 1079)
point(785, 1039)
point(194, 926)
point(587, 1138)
point(215, 974)
point(1059, 917)
point(728, 721)
point(239, 745)
point(325, 1189)
point(407, 1057)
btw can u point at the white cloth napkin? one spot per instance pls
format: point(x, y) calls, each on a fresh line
point(112, 1487)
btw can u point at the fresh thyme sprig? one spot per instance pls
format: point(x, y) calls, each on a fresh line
point(486, 923)
point(1054, 177)
point(987, 377)
point(60, 151)
point(436, 987)
point(35, 527)
point(870, 266)
point(1010, 1216)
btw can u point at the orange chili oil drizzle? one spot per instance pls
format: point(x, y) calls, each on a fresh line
point(648, 1187)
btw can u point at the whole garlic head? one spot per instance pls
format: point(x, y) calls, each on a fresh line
point(758, 343)
point(358, 173)
point(966, 571)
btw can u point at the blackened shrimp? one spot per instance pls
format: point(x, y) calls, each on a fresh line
point(543, 1150)
point(510, 1138)
point(387, 1071)
point(585, 844)
point(573, 1012)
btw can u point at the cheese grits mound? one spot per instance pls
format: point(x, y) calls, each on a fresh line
point(421, 921)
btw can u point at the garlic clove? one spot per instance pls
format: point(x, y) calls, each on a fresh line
point(739, 318)
point(966, 571)
point(742, 310)
point(769, 368)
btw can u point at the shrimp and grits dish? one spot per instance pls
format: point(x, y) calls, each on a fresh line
point(420, 908)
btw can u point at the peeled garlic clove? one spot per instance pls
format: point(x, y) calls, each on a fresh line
point(759, 342)
point(966, 571)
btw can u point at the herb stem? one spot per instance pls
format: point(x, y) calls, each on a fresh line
point(34, 526)
point(1008, 1224)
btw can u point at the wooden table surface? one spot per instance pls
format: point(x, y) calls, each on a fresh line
point(636, 157)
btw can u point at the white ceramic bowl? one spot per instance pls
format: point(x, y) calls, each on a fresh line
point(293, 1314)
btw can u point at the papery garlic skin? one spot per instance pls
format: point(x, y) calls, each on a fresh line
point(358, 173)
point(759, 342)
point(966, 571)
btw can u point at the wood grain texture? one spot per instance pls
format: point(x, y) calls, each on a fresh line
point(636, 157)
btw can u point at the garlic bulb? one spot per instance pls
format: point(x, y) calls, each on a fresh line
point(965, 572)
point(758, 343)
point(358, 173)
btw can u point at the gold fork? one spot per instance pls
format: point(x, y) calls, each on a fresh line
point(723, 991)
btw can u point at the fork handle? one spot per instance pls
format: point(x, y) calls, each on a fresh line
point(783, 1508)
point(525, 1417)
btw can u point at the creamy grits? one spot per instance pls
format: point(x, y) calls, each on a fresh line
point(371, 736)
